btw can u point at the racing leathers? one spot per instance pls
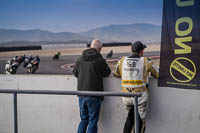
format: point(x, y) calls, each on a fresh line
point(134, 72)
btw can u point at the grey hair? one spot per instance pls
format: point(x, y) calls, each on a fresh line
point(96, 43)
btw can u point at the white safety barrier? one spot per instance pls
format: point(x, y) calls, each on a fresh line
point(170, 109)
point(62, 46)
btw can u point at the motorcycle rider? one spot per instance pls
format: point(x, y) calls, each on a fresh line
point(36, 60)
point(20, 59)
point(15, 58)
point(110, 54)
point(33, 65)
point(27, 60)
point(7, 66)
point(56, 56)
point(11, 66)
point(134, 71)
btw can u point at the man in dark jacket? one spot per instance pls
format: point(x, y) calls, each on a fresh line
point(90, 69)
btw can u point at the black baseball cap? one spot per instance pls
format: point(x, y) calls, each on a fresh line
point(137, 46)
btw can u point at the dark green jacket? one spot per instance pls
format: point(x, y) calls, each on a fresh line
point(90, 69)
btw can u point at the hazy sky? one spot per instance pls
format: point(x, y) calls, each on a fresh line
point(77, 15)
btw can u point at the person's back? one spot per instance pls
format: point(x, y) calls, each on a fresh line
point(90, 69)
point(134, 71)
point(138, 69)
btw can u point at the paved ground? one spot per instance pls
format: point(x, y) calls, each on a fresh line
point(48, 66)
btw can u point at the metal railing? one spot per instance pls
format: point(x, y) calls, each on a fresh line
point(79, 93)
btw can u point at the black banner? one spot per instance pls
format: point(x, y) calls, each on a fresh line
point(180, 44)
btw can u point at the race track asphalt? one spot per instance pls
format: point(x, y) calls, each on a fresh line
point(48, 66)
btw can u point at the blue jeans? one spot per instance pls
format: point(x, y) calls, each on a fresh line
point(89, 113)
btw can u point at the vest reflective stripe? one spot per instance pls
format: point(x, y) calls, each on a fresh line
point(132, 72)
point(132, 82)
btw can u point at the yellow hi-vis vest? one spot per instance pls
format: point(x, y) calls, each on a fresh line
point(132, 72)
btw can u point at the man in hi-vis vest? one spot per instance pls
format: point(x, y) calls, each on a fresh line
point(134, 71)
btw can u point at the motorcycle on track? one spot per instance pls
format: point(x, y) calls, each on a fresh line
point(56, 56)
point(11, 67)
point(32, 66)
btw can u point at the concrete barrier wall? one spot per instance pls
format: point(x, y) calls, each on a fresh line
point(171, 110)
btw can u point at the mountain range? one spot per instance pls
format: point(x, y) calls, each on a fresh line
point(111, 33)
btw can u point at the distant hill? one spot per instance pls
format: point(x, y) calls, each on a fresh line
point(39, 43)
point(7, 35)
point(111, 33)
point(124, 33)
